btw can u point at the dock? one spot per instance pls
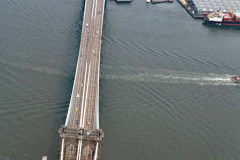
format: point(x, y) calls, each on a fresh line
point(213, 5)
point(80, 136)
point(200, 8)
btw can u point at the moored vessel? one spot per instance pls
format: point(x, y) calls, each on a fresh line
point(220, 18)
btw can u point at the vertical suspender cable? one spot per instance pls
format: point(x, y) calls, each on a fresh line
point(96, 152)
point(62, 149)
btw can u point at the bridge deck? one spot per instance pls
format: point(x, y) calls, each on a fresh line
point(84, 99)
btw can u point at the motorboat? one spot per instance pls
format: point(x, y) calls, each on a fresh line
point(236, 79)
point(148, 1)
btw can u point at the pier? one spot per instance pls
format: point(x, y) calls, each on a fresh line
point(200, 8)
point(80, 136)
point(213, 5)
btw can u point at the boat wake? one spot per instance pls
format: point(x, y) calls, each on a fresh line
point(175, 78)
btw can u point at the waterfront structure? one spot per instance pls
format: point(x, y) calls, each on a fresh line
point(214, 5)
point(80, 136)
point(200, 8)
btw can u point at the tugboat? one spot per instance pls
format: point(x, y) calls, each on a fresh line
point(219, 18)
point(236, 79)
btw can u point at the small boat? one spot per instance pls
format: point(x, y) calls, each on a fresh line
point(161, 1)
point(236, 79)
point(148, 1)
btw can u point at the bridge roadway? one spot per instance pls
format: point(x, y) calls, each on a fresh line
point(80, 137)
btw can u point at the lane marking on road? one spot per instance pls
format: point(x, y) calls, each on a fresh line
point(80, 125)
point(89, 74)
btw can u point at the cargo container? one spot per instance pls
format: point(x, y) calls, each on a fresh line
point(227, 17)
